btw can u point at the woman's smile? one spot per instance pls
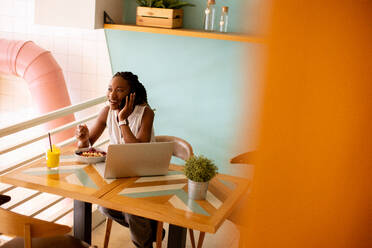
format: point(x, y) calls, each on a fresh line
point(114, 104)
point(117, 90)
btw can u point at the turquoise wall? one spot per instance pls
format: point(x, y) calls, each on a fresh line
point(196, 85)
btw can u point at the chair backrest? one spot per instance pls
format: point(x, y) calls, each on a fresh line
point(244, 158)
point(23, 226)
point(182, 149)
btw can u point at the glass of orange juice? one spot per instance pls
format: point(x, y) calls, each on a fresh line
point(52, 157)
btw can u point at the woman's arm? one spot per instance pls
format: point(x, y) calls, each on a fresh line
point(90, 136)
point(144, 133)
point(99, 126)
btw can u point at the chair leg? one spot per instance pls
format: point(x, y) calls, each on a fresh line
point(107, 232)
point(241, 242)
point(242, 238)
point(201, 239)
point(159, 234)
point(28, 242)
point(192, 238)
point(191, 232)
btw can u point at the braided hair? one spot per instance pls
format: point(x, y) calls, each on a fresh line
point(135, 86)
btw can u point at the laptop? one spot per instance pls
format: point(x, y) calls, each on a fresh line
point(138, 159)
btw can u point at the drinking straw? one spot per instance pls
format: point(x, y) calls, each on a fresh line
point(50, 142)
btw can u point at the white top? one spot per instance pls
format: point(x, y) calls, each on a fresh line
point(134, 120)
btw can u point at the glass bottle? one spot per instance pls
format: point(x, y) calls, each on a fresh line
point(209, 14)
point(224, 19)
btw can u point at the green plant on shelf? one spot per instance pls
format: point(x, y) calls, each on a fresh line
point(200, 169)
point(165, 4)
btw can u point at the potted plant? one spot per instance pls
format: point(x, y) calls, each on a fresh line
point(199, 170)
point(160, 13)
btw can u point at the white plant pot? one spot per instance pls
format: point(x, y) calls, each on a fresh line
point(197, 190)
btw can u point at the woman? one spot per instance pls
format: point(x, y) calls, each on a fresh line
point(129, 119)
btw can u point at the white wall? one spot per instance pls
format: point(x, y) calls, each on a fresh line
point(82, 54)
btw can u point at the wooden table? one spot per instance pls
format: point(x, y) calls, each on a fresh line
point(162, 198)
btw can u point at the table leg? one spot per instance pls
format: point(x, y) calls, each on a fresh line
point(83, 221)
point(176, 236)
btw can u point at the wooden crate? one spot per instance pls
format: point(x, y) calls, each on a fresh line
point(158, 17)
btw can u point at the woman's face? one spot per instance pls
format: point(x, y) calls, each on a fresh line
point(117, 90)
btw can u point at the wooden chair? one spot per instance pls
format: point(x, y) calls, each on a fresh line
point(243, 158)
point(4, 199)
point(182, 150)
point(238, 215)
point(31, 232)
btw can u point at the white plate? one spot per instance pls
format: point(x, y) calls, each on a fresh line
point(89, 160)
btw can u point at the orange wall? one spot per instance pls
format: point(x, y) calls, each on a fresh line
point(312, 185)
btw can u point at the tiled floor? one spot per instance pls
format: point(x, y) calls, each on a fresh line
point(226, 237)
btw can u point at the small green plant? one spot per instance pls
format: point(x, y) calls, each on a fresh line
point(166, 4)
point(200, 169)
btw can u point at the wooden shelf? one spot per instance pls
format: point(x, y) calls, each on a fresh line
point(188, 32)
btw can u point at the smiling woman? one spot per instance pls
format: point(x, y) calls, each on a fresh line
point(129, 119)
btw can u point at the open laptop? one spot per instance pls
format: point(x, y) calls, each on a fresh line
point(138, 159)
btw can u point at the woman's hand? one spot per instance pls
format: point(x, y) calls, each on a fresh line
point(128, 108)
point(82, 135)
